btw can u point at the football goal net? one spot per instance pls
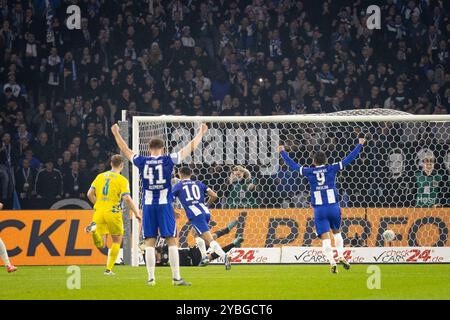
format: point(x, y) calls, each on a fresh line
point(400, 180)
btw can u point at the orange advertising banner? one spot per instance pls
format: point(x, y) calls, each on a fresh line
point(51, 237)
point(360, 227)
point(57, 237)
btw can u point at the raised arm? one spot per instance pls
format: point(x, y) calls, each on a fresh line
point(128, 153)
point(212, 197)
point(352, 155)
point(191, 146)
point(291, 163)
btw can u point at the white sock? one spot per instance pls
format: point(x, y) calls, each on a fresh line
point(201, 246)
point(4, 253)
point(216, 248)
point(174, 260)
point(328, 250)
point(339, 244)
point(150, 261)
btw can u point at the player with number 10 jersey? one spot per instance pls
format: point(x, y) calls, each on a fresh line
point(192, 196)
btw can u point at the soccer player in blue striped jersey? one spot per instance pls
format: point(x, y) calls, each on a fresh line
point(192, 197)
point(325, 199)
point(158, 215)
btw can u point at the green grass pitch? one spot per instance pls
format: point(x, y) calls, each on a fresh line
point(242, 282)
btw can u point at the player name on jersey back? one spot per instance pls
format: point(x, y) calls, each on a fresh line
point(323, 187)
point(322, 179)
point(192, 196)
point(156, 174)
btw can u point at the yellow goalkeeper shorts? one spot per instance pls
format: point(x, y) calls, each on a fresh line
point(109, 223)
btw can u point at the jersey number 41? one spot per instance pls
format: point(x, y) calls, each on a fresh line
point(150, 172)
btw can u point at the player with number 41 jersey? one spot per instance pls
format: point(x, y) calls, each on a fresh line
point(325, 198)
point(158, 217)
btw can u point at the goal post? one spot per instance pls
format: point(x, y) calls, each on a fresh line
point(400, 181)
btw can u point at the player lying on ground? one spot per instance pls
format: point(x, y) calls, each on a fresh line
point(158, 216)
point(200, 262)
point(204, 249)
point(216, 235)
point(325, 199)
point(107, 192)
point(4, 253)
point(192, 256)
point(192, 197)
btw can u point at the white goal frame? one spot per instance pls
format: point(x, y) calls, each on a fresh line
point(323, 118)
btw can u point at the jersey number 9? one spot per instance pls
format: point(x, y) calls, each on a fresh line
point(320, 178)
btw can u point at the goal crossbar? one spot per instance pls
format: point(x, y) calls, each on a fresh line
point(294, 118)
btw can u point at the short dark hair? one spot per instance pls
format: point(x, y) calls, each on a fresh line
point(116, 160)
point(156, 143)
point(320, 158)
point(185, 171)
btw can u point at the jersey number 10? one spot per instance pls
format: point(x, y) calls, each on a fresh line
point(195, 192)
point(149, 174)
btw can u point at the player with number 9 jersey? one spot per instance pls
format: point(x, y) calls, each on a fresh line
point(324, 195)
point(325, 199)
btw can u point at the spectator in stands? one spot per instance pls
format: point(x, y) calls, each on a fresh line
point(8, 157)
point(397, 186)
point(211, 58)
point(42, 149)
point(48, 184)
point(52, 69)
point(72, 181)
point(49, 125)
point(32, 160)
point(23, 133)
point(25, 180)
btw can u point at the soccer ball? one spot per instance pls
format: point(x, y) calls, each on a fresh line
point(388, 235)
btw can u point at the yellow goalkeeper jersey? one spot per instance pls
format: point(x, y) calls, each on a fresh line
point(109, 188)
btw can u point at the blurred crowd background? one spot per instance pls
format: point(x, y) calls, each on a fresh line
point(62, 89)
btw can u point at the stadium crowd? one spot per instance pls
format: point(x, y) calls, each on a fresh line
point(62, 89)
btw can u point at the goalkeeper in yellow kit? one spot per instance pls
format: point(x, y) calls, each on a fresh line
point(108, 191)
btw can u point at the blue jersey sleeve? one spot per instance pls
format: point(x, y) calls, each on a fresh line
point(203, 187)
point(175, 157)
point(293, 165)
point(138, 161)
point(348, 159)
point(176, 190)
